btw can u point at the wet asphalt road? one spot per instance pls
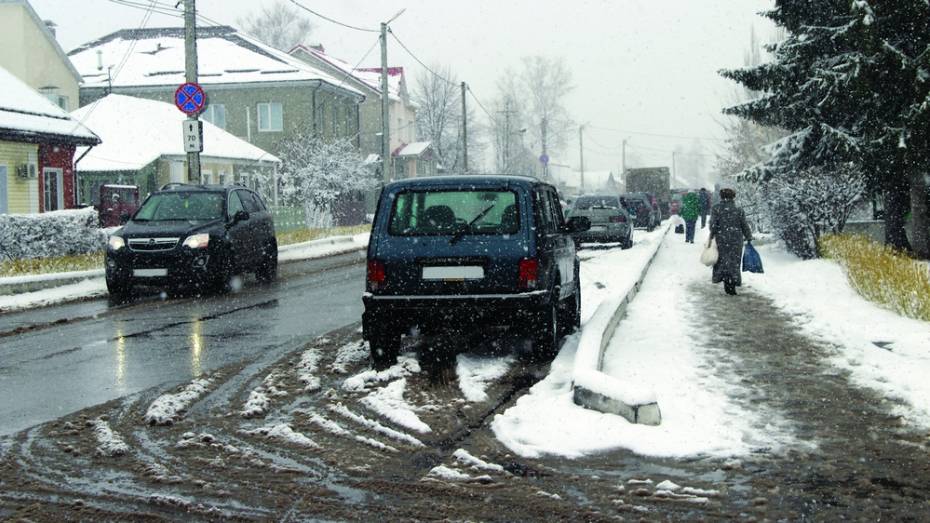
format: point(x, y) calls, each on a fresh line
point(58, 360)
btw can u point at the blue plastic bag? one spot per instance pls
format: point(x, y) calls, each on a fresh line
point(752, 262)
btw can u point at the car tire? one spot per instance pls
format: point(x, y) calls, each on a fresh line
point(546, 333)
point(223, 271)
point(120, 291)
point(268, 268)
point(571, 311)
point(384, 349)
point(628, 241)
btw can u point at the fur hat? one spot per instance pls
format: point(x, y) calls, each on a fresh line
point(727, 194)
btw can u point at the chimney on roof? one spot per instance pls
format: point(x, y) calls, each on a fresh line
point(52, 27)
point(318, 48)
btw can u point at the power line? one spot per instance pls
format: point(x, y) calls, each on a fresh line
point(328, 19)
point(659, 135)
point(481, 105)
point(434, 73)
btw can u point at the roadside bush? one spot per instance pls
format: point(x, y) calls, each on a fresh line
point(57, 233)
point(881, 274)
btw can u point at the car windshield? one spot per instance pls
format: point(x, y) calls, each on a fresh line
point(461, 212)
point(597, 202)
point(182, 206)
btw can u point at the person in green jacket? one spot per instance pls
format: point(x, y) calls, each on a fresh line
point(690, 210)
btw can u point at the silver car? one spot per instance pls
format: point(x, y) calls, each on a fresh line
point(610, 221)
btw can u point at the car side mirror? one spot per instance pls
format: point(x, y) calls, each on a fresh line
point(240, 216)
point(578, 224)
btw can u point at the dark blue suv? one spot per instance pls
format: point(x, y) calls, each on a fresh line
point(463, 252)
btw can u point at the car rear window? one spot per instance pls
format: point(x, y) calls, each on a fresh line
point(181, 206)
point(445, 211)
point(585, 203)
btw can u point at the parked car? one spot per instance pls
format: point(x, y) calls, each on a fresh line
point(117, 204)
point(470, 252)
point(645, 208)
point(610, 220)
point(187, 236)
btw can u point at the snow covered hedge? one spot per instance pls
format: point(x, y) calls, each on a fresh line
point(57, 233)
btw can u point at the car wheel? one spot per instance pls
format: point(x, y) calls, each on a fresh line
point(268, 268)
point(384, 349)
point(628, 241)
point(222, 273)
point(119, 291)
point(546, 333)
point(571, 317)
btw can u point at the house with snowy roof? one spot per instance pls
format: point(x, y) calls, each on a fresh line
point(37, 145)
point(30, 52)
point(569, 182)
point(254, 91)
point(402, 113)
point(142, 146)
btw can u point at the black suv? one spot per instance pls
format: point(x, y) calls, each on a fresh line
point(464, 252)
point(186, 236)
point(645, 209)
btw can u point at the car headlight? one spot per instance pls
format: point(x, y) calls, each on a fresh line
point(116, 243)
point(197, 241)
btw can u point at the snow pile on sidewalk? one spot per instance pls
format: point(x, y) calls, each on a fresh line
point(322, 247)
point(76, 291)
point(655, 348)
point(882, 350)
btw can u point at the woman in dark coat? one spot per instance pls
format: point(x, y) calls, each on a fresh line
point(728, 226)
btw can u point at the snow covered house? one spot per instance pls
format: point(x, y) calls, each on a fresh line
point(30, 52)
point(142, 146)
point(37, 145)
point(402, 113)
point(254, 91)
point(414, 159)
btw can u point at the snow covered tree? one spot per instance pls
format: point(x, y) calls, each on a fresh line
point(439, 119)
point(808, 204)
point(850, 83)
point(279, 25)
point(316, 172)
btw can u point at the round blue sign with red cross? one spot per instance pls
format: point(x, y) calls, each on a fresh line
point(190, 98)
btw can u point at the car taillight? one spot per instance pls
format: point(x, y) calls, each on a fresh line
point(376, 274)
point(529, 273)
point(618, 219)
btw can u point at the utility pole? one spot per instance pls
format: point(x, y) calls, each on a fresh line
point(545, 137)
point(623, 158)
point(464, 131)
point(190, 75)
point(385, 117)
point(507, 139)
point(581, 154)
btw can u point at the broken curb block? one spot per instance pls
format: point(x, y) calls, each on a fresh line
point(647, 414)
point(593, 389)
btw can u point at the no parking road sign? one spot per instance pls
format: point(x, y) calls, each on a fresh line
point(190, 98)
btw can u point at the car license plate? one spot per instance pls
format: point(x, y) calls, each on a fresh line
point(598, 228)
point(150, 273)
point(453, 273)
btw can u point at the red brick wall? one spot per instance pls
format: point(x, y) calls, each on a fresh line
point(62, 157)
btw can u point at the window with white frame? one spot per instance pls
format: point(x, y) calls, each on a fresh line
point(270, 117)
point(216, 114)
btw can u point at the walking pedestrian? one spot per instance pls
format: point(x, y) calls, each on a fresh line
point(690, 208)
point(704, 200)
point(728, 226)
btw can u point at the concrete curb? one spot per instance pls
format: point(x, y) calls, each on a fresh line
point(593, 389)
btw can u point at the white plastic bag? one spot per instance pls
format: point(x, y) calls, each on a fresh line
point(710, 254)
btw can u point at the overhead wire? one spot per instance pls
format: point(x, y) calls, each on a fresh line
point(658, 135)
point(412, 55)
point(332, 20)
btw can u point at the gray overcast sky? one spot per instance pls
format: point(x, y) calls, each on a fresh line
point(638, 65)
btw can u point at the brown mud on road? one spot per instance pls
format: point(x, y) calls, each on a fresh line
point(318, 436)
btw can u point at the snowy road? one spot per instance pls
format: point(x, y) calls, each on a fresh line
point(758, 423)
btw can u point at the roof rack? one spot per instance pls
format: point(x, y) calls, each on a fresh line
point(176, 185)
